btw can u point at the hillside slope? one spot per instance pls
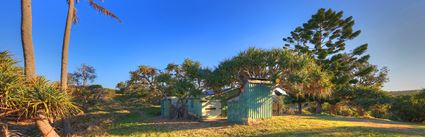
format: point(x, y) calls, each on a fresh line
point(404, 92)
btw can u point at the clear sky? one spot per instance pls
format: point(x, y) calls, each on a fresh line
point(158, 32)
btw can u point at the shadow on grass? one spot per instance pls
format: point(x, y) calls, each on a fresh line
point(99, 118)
point(132, 125)
point(345, 131)
point(124, 118)
point(351, 119)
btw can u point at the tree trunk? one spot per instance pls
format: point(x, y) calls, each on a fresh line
point(333, 109)
point(5, 130)
point(64, 65)
point(67, 127)
point(26, 38)
point(300, 108)
point(319, 107)
point(360, 111)
point(45, 128)
point(65, 45)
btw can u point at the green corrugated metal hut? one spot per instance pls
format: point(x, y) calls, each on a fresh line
point(255, 102)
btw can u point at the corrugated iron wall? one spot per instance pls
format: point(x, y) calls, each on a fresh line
point(165, 107)
point(260, 101)
point(194, 106)
point(254, 103)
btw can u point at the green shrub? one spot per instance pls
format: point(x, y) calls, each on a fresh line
point(43, 96)
point(27, 98)
point(89, 96)
point(380, 111)
point(11, 81)
point(345, 111)
point(409, 107)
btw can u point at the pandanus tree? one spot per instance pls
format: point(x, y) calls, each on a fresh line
point(73, 19)
point(143, 82)
point(32, 99)
point(183, 81)
point(251, 63)
point(302, 78)
point(26, 38)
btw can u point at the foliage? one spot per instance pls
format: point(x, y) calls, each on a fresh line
point(82, 76)
point(43, 96)
point(184, 81)
point(303, 78)
point(143, 83)
point(251, 63)
point(368, 97)
point(29, 98)
point(92, 95)
point(121, 87)
point(324, 38)
point(409, 107)
point(11, 80)
point(96, 6)
point(326, 33)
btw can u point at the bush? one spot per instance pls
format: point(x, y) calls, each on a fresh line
point(92, 95)
point(409, 107)
point(345, 111)
point(380, 111)
point(43, 96)
point(27, 98)
point(11, 80)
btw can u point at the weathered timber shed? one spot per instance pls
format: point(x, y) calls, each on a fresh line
point(254, 102)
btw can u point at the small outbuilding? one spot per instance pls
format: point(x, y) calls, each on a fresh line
point(254, 102)
point(201, 108)
point(204, 108)
point(166, 106)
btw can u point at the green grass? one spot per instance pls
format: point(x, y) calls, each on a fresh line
point(131, 119)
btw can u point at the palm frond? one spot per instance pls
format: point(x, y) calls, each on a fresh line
point(75, 17)
point(103, 10)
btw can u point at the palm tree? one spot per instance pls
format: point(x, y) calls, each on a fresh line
point(26, 37)
point(72, 18)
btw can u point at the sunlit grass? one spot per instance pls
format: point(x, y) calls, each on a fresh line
point(140, 120)
point(277, 126)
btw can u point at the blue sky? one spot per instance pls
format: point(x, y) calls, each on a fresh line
point(158, 32)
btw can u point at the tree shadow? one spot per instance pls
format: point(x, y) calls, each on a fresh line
point(352, 119)
point(120, 117)
point(346, 131)
point(22, 128)
point(158, 125)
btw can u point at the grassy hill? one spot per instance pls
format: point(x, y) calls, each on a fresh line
point(404, 92)
point(125, 118)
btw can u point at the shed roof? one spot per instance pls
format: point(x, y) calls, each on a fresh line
point(259, 81)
